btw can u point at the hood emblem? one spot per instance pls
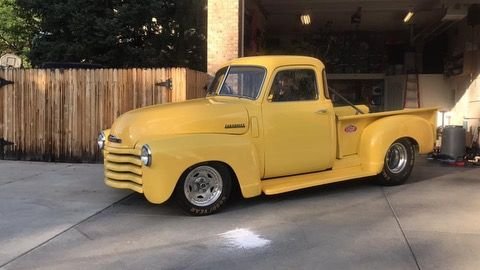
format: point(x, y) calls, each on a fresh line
point(235, 125)
point(114, 139)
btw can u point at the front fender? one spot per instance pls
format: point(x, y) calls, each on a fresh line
point(378, 136)
point(173, 155)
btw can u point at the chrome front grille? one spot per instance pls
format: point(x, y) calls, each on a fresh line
point(123, 168)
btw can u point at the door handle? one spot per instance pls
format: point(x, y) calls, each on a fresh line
point(322, 111)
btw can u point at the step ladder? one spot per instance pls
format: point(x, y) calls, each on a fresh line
point(412, 92)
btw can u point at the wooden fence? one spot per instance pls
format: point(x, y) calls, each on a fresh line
point(55, 115)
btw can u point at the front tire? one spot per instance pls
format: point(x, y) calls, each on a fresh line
point(204, 189)
point(398, 163)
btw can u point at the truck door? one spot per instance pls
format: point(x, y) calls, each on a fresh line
point(298, 124)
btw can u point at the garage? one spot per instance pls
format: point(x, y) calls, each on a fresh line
point(387, 54)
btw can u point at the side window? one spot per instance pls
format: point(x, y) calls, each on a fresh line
point(294, 85)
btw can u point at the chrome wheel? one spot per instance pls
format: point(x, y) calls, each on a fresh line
point(398, 163)
point(397, 157)
point(203, 186)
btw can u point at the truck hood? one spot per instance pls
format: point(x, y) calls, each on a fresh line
point(207, 115)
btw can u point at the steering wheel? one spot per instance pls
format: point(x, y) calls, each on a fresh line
point(227, 89)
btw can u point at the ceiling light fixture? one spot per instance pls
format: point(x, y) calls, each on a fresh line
point(305, 19)
point(408, 17)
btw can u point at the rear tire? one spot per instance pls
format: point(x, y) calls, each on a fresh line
point(204, 189)
point(398, 163)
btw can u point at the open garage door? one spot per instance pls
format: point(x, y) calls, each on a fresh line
point(369, 47)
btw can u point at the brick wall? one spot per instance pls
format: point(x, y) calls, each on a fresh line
point(222, 32)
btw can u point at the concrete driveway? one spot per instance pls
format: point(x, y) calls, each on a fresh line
point(61, 216)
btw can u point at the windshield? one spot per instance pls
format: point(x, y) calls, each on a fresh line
point(240, 81)
point(213, 87)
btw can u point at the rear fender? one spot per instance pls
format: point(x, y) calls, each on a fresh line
point(173, 155)
point(379, 135)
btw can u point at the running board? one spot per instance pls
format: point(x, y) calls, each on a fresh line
point(290, 183)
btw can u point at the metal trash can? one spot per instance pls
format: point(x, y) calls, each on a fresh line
point(453, 142)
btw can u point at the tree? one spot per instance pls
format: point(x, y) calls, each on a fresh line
point(15, 30)
point(118, 33)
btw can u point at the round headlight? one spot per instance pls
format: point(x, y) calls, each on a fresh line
point(101, 140)
point(146, 155)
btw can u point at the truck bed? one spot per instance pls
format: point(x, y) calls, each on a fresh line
point(350, 126)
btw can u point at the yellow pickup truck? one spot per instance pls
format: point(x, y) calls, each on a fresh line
point(268, 126)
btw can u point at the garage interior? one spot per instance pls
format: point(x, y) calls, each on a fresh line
point(387, 54)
